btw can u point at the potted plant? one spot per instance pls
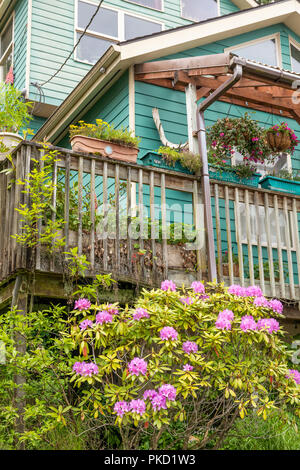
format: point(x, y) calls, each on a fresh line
point(102, 138)
point(243, 135)
point(243, 173)
point(284, 181)
point(281, 138)
point(174, 159)
point(14, 114)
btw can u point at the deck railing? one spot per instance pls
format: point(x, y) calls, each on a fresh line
point(111, 211)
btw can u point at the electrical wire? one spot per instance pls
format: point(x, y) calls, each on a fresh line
point(81, 36)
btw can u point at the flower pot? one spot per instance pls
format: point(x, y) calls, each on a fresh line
point(108, 149)
point(155, 159)
point(231, 177)
point(281, 184)
point(279, 142)
point(10, 140)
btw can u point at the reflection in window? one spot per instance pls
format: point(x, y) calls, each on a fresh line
point(6, 50)
point(157, 4)
point(263, 51)
point(135, 27)
point(295, 58)
point(105, 22)
point(199, 10)
point(91, 48)
point(259, 227)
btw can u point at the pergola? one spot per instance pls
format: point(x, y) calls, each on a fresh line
point(223, 77)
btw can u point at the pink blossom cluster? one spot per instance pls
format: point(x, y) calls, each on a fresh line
point(140, 313)
point(294, 374)
point(198, 287)
point(168, 332)
point(121, 407)
point(168, 285)
point(188, 368)
point(86, 324)
point(137, 366)
point(104, 317)
point(82, 304)
point(261, 302)
point(268, 323)
point(224, 320)
point(190, 347)
point(248, 323)
point(187, 300)
point(274, 304)
point(85, 368)
point(252, 291)
point(159, 399)
point(112, 310)
point(136, 406)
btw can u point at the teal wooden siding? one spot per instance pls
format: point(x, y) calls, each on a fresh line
point(227, 6)
point(20, 43)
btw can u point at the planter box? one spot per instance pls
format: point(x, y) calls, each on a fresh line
point(280, 184)
point(108, 149)
point(232, 177)
point(155, 159)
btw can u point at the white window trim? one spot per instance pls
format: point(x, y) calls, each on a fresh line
point(189, 19)
point(294, 43)
point(149, 8)
point(10, 48)
point(275, 36)
point(121, 26)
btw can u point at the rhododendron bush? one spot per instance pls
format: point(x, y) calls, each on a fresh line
point(186, 361)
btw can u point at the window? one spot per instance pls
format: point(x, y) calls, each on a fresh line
point(284, 230)
point(109, 26)
point(156, 4)
point(265, 51)
point(199, 10)
point(295, 58)
point(6, 49)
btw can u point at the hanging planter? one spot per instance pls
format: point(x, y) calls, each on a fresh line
point(102, 138)
point(281, 138)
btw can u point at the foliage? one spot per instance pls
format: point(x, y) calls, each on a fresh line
point(288, 175)
point(243, 135)
point(231, 372)
point(39, 189)
point(187, 159)
point(104, 131)
point(14, 111)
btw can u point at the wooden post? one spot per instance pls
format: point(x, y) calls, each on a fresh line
point(20, 301)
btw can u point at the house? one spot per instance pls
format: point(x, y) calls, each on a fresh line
point(257, 227)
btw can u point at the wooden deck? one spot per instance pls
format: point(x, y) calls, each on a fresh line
point(115, 218)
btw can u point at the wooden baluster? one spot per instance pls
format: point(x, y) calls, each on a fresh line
point(92, 215)
point(269, 244)
point(80, 203)
point(105, 221)
point(259, 245)
point(53, 202)
point(196, 210)
point(218, 232)
point(141, 221)
point(228, 230)
point(288, 248)
point(164, 224)
point(238, 236)
point(249, 238)
point(67, 203)
point(152, 221)
point(117, 200)
point(279, 249)
point(129, 214)
point(297, 241)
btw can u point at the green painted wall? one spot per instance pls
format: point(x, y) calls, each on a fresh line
point(20, 46)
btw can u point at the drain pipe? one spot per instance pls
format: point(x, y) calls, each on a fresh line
point(201, 134)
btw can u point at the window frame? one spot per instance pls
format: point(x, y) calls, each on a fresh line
point(10, 47)
point(293, 42)
point(275, 36)
point(189, 19)
point(121, 26)
point(149, 8)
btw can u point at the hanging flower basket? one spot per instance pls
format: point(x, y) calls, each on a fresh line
point(281, 138)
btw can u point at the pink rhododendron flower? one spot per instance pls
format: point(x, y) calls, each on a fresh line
point(85, 368)
point(254, 291)
point(168, 391)
point(226, 314)
point(190, 347)
point(112, 310)
point(188, 368)
point(159, 402)
point(276, 306)
point(261, 302)
point(248, 323)
point(198, 287)
point(150, 394)
point(187, 300)
point(168, 285)
point(295, 375)
point(168, 332)
point(140, 313)
point(86, 324)
point(269, 324)
point(237, 290)
point(121, 407)
point(137, 406)
point(137, 366)
point(223, 324)
point(82, 304)
point(104, 317)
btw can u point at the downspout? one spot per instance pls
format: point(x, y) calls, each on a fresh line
point(201, 134)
